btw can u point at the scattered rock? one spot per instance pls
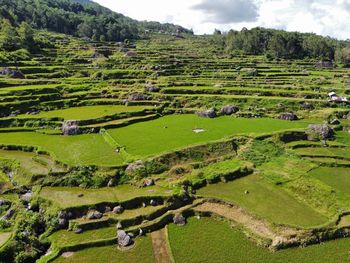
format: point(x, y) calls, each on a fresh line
point(229, 110)
point(152, 89)
point(334, 122)
point(67, 254)
point(133, 167)
point(140, 232)
point(148, 182)
point(124, 239)
point(207, 113)
point(288, 116)
point(219, 86)
point(108, 209)
point(324, 64)
point(119, 225)
point(118, 209)
point(131, 54)
point(137, 97)
point(307, 106)
point(110, 183)
point(15, 74)
point(153, 202)
point(78, 230)
point(62, 222)
point(80, 195)
point(70, 127)
point(179, 220)
point(320, 131)
point(9, 214)
point(94, 214)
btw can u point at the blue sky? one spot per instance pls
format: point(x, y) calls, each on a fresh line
point(325, 17)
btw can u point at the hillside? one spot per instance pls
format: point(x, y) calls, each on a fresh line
point(79, 18)
point(231, 147)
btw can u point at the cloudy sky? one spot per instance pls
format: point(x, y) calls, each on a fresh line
point(325, 17)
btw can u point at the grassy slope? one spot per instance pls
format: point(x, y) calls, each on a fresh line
point(85, 113)
point(216, 242)
point(68, 196)
point(142, 252)
point(336, 177)
point(265, 200)
point(74, 150)
point(155, 138)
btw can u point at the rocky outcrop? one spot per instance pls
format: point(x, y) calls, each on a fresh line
point(15, 74)
point(118, 209)
point(320, 132)
point(70, 127)
point(229, 110)
point(124, 240)
point(207, 113)
point(135, 166)
point(179, 220)
point(94, 214)
point(288, 116)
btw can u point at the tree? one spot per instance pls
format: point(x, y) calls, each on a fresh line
point(26, 35)
point(342, 56)
point(9, 39)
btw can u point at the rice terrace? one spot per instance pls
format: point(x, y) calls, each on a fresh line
point(134, 141)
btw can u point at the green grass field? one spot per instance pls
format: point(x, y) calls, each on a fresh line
point(176, 131)
point(217, 242)
point(265, 200)
point(336, 177)
point(86, 149)
point(142, 252)
point(86, 112)
point(68, 196)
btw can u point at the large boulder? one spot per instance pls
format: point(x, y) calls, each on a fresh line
point(148, 182)
point(324, 64)
point(179, 220)
point(12, 73)
point(152, 88)
point(70, 127)
point(288, 116)
point(207, 113)
point(307, 106)
point(118, 209)
point(124, 240)
point(229, 110)
point(137, 97)
point(94, 214)
point(320, 132)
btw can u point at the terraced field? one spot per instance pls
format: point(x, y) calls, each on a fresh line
point(94, 143)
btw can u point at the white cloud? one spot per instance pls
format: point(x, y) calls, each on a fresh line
point(326, 17)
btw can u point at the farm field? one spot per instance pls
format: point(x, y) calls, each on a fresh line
point(84, 113)
point(129, 141)
point(142, 252)
point(222, 243)
point(277, 206)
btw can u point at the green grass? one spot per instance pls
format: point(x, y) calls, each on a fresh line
point(142, 252)
point(155, 138)
point(65, 238)
point(86, 149)
point(216, 242)
point(266, 200)
point(336, 177)
point(331, 152)
point(85, 112)
point(68, 196)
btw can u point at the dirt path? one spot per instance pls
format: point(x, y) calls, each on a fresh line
point(237, 214)
point(161, 247)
